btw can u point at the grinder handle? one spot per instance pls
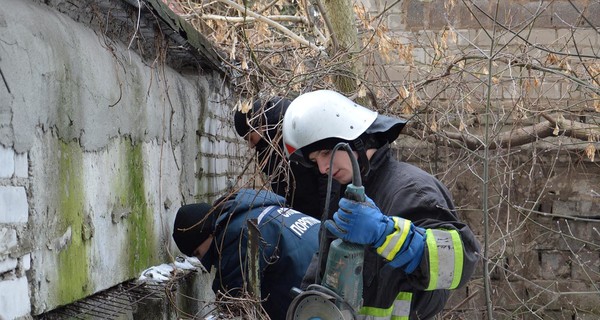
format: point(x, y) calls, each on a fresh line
point(356, 193)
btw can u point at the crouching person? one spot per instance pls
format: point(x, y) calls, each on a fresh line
point(218, 236)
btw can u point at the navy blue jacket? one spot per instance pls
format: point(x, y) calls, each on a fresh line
point(288, 240)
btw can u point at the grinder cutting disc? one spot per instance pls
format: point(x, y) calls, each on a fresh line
point(316, 307)
point(319, 303)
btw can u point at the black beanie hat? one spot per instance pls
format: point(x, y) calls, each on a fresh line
point(269, 113)
point(192, 226)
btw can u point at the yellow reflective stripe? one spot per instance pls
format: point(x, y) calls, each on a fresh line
point(394, 241)
point(400, 309)
point(458, 258)
point(402, 306)
point(377, 312)
point(433, 259)
point(361, 317)
point(445, 249)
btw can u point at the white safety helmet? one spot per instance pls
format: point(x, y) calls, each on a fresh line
point(325, 115)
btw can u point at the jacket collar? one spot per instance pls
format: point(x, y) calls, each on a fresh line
point(381, 156)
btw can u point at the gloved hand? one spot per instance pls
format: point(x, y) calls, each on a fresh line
point(360, 223)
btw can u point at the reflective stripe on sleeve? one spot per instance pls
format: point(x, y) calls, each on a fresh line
point(394, 241)
point(445, 258)
point(402, 306)
point(400, 310)
point(264, 213)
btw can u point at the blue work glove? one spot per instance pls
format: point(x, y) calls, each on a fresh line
point(360, 223)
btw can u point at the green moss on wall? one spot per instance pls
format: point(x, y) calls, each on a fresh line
point(142, 250)
point(73, 279)
point(139, 251)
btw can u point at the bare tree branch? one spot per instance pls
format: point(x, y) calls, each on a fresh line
point(574, 129)
point(236, 19)
point(517, 136)
point(284, 30)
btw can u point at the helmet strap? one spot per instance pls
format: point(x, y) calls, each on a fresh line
point(363, 160)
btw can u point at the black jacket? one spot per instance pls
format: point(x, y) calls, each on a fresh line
point(403, 190)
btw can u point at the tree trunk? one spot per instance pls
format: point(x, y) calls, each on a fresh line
point(342, 20)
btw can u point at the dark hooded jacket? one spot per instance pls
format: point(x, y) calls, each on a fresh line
point(403, 190)
point(451, 250)
point(288, 240)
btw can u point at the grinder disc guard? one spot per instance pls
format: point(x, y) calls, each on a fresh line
point(319, 303)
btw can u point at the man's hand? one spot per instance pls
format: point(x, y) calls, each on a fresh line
point(360, 223)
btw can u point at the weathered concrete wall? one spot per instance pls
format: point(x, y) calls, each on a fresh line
point(98, 149)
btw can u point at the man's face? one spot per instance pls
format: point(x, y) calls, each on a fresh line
point(253, 138)
point(341, 168)
point(202, 249)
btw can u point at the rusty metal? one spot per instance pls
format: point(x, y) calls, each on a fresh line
point(114, 303)
point(253, 258)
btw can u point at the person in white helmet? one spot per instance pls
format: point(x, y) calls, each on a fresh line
point(417, 249)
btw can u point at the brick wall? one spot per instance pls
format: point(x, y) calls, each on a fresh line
point(14, 214)
point(543, 235)
point(439, 31)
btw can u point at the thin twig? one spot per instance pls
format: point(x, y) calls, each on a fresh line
point(273, 24)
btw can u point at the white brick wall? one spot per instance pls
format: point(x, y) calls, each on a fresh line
point(8, 239)
point(13, 205)
point(21, 165)
point(26, 262)
point(7, 162)
point(7, 264)
point(12, 163)
point(14, 298)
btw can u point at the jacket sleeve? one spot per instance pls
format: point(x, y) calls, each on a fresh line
point(232, 265)
point(229, 251)
point(230, 256)
point(450, 251)
point(450, 257)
